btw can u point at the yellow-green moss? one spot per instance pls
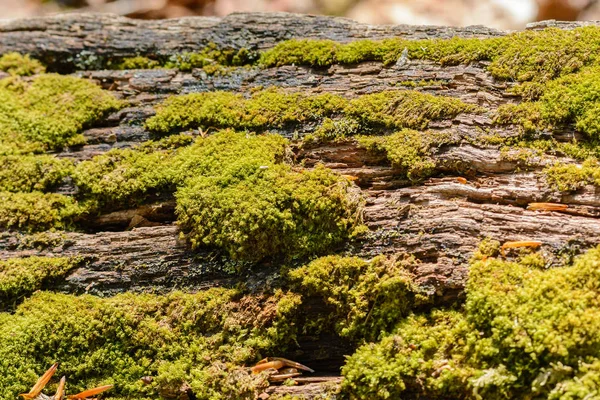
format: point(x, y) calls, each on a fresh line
point(570, 99)
point(268, 108)
point(138, 62)
point(525, 332)
point(211, 56)
point(203, 339)
point(49, 112)
point(37, 211)
point(570, 177)
point(233, 192)
point(421, 359)
point(27, 173)
point(22, 276)
point(368, 298)
point(276, 109)
point(17, 64)
point(521, 56)
point(408, 150)
point(256, 211)
point(404, 109)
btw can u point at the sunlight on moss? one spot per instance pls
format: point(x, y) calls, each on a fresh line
point(49, 112)
point(202, 339)
point(22, 276)
point(525, 332)
point(21, 65)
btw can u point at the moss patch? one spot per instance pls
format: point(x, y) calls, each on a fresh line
point(233, 191)
point(202, 339)
point(277, 109)
point(37, 211)
point(408, 150)
point(521, 56)
point(17, 64)
point(22, 276)
point(268, 108)
point(49, 112)
point(570, 177)
point(525, 332)
point(269, 211)
point(368, 297)
point(27, 173)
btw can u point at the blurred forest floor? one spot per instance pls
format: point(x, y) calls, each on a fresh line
point(500, 14)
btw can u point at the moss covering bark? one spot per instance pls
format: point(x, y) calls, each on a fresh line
point(525, 332)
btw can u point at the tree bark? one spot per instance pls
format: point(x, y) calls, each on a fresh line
point(440, 221)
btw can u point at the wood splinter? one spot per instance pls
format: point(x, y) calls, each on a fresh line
point(547, 207)
point(521, 243)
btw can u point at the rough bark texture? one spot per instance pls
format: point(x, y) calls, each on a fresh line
point(440, 221)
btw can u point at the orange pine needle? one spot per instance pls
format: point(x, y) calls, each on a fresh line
point(90, 392)
point(60, 392)
point(41, 383)
point(520, 243)
point(547, 207)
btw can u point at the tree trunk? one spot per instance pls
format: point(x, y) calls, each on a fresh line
point(440, 221)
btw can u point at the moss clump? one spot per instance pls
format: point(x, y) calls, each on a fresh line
point(570, 177)
point(138, 62)
point(408, 150)
point(521, 56)
point(404, 109)
point(525, 332)
point(276, 109)
point(202, 339)
point(37, 211)
point(17, 64)
point(124, 178)
point(233, 191)
point(212, 56)
point(32, 173)
point(22, 276)
point(268, 108)
point(368, 297)
point(569, 99)
point(301, 52)
point(422, 358)
point(49, 112)
point(261, 211)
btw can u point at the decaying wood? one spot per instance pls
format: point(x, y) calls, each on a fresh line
point(440, 221)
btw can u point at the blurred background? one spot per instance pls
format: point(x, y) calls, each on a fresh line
point(501, 14)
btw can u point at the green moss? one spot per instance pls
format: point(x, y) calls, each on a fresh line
point(404, 109)
point(42, 240)
point(22, 276)
point(212, 56)
point(202, 339)
point(408, 150)
point(37, 211)
point(300, 52)
point(276, 109)
point(138, 62)
point(49, 112)
point(569, 99)
point(17, 64)
point(268, 108)
point(260, 211)
point(525, 332)
point(570, 177)
point(32, 173)
point(367, 297)
point(520, 56)
point(419, 360)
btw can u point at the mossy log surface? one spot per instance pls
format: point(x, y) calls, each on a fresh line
point(439, 220)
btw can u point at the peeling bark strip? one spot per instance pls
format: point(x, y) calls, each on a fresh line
point(478, 186)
